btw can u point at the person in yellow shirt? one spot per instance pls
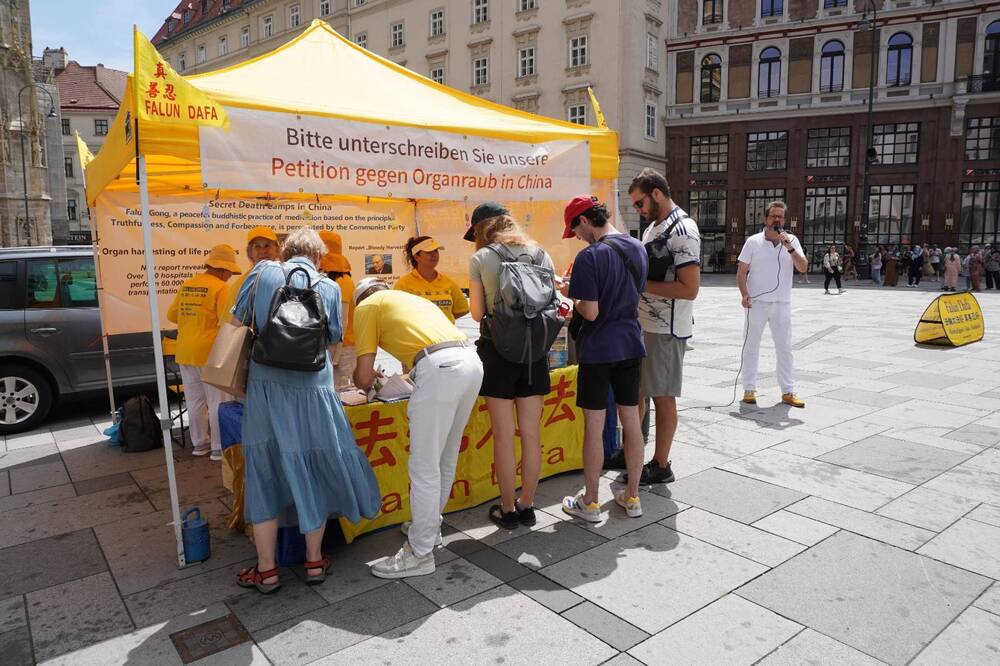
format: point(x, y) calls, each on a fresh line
point(262, 245)
point(338, 268)
point(446, 373)
point(198, 308)
point(423, 253)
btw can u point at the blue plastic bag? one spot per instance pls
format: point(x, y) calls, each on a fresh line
point(111, 431)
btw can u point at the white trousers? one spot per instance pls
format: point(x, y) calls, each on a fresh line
point(778, 316)
point(202, 409)
point(343, 372)
point(446, 384)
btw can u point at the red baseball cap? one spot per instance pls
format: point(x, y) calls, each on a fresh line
point(577, 206)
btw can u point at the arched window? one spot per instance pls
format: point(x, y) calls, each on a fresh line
point(899, 61)
point(769, 73)
point(831, 67)
point(711, 78)
point(711, 11)
point(991, 55)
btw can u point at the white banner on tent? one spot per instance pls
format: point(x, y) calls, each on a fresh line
point(281, 152)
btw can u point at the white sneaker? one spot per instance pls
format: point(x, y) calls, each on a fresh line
point(403, 564)
point(201, 452)
point(216, 456)
point(632, 505)
point(405, 529)
point(840, 291)
point(574, 506)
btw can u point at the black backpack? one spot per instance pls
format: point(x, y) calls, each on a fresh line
point(294, 336)
point(139, 429)
point(525, 319)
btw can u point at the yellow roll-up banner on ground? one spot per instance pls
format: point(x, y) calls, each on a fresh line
point(951, 320)
point(382, 432)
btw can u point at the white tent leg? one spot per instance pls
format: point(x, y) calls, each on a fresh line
point(100, 308)
point(161, 380)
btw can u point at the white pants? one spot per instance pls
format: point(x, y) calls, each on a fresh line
point(446, 384)
point(343, 372)
point(202, 409)
point(779, 317)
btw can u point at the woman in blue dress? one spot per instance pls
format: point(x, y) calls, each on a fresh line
point(298, 446)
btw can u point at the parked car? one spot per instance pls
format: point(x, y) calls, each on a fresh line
point(50, 335)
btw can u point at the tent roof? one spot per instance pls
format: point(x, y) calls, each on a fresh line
point(323, 74)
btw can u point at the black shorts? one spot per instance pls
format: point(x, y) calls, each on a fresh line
point(507, 380)
point(594, 379)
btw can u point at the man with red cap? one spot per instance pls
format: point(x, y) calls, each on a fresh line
point(608, 278)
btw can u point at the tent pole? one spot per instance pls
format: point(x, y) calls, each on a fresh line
point(100, 309)
point(161, 380)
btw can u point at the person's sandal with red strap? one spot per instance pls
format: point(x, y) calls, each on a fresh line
point(253, 577)
point(324, 568)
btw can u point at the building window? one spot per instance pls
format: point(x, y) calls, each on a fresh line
point(69, 167)
point(767, 150)
point(526, 61)
point(268, 26)
point(769, 73)
point(577, 113)
point(294, 16)
point(772, 8)
point(437, 22)
point(711, 79)
point(480, 71)
point(652, 52)
point(396, 35)
point(831, 67)
point(100, 126)
point(437, 75)
point(324, 8)
point(245, 37)
point(756, 208)
point(361, 39)
point(480, 11)
point(578, 51)
point(825, 222)
point(708, 207)
point(890, 214)
point(982, 138)
point(896, 143)
point(201, 54)
point(711, 11)
point(650, 121)
point(980, 218)
point(223, 46)
point(182, 61)
point(358, 3)
point(833, 4)
point(71, 209)
point(828, 147)
point(66, 129)
point(709, 154)
point(525, 5)
point(991, 56)
point(899, 60)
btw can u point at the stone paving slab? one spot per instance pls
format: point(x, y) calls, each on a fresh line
point(895, 459)
point(29, 456)
point(453, 582)
point(37, 477)
point(990, 600)
point(928, 508)
point(40, 564)
point(12, 615)
point(986, 513)
point(796, 528)
point(863, 523)
point(738, 497)
point(609, 628)
point(15, 646)
point(878, 599)
point(968, 544)
point(813, 648)
point(33, 497)
point(257, 611)
point(973, 638)
point(749, 542)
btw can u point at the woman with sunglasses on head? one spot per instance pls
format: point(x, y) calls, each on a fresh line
point(423, 253)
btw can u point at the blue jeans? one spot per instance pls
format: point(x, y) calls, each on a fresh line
point(877, 275)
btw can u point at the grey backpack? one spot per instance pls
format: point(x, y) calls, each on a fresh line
point(525, 319)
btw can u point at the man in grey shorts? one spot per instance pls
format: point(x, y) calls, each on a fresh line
point(666, 309)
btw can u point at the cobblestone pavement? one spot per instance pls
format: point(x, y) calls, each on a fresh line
point(862, 529)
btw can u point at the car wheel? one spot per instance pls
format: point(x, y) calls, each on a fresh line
point(25, 398)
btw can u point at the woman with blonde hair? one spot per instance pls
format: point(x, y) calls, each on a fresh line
point(507, 384)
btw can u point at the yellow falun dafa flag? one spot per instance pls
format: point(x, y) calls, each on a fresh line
point(164, 96)
point(597, 109)
point(83, 152)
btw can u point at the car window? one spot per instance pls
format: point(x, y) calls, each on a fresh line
point(78, 283)
point(42, 283)
point(8, 285)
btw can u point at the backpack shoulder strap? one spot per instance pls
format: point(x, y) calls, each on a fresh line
point(502, 252)
point(628, 262)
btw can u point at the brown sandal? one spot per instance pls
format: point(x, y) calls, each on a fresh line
point(323, 565)
point(253, 577)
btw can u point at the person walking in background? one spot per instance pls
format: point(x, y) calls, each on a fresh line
point(423, 253)
point(514, 392)
point(298, 446)
point(952, 264)
point(976, 269)
point(991, 259)
point(935, 263)
point(832, 265)
point(876, 263)
point(336, 267)
point(198, 309)
point(916, 268)
point(849, 269)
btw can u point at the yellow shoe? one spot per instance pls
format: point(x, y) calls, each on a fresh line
point(790, 399)
point(750, 397)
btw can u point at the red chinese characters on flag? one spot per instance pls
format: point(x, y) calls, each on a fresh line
point(153, 90)
point(160, 73)
point(371, 440)
point(560, 411)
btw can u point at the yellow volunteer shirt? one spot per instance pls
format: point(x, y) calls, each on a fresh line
point(347, 298)
point(197, 310)
point(400, 323)
point(232, 292)
point(442, 292)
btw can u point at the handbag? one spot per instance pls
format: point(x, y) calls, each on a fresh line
point(228, 363)
point(576, 321)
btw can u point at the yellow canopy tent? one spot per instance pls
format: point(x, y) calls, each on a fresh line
point(321, 132)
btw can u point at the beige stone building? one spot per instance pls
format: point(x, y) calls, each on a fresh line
point(535, 55)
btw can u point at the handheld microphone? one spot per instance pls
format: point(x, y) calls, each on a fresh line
point(777, 229)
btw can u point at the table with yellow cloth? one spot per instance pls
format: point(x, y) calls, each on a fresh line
point(382, 430)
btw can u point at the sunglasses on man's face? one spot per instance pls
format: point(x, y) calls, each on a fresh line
point(638, 204)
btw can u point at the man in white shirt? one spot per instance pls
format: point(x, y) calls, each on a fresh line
point(666, 308)
point(766, 267)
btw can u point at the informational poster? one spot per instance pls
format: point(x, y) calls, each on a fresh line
point(283, 152)
point(186, 228)
point(951, 320)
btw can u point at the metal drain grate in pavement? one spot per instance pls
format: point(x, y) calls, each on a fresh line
point(209, 638)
